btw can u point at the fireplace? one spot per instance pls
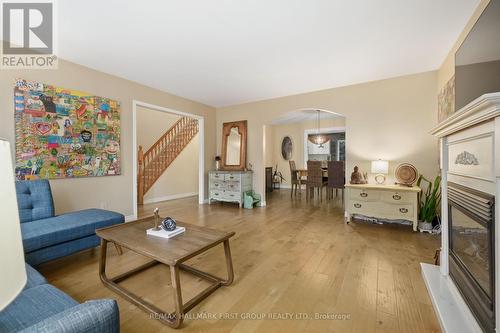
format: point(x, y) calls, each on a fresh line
point(471, 250)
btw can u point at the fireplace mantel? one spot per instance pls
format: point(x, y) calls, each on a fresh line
point(470, 134)
point(481, 109)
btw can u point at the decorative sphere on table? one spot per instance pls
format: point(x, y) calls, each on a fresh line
point(168, 224)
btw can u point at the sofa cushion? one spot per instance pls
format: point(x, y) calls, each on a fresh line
point(34, 199)
point(52, 252)
point(34, 278)
point(99, 316)
point(66, 227)
point(32, 306)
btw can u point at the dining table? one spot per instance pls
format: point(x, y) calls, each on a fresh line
point(302, 173)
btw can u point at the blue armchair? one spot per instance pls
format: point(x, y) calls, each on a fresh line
point(46, 236)
point(42, 307)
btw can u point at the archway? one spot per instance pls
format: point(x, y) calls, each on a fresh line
point(297, 127)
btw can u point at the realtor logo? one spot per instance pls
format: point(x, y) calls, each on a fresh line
point(28, 35)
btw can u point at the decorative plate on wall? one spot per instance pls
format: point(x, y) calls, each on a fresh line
point(406, 174)
point(286, 148)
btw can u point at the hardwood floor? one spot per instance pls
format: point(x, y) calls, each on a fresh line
point(290, 257)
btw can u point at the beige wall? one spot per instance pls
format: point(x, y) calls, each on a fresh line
point(447, 69)
point(388, 119)
point(113, 192)
point(269, 146)
point(296, 132)
point(181, 177)
point(151, 124)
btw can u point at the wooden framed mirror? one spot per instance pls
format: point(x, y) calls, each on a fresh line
point(234, 145)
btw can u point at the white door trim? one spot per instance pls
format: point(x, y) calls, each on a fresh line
point(201, 148)
point(325, 130)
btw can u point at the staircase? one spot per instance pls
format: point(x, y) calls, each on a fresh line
point(153, 163)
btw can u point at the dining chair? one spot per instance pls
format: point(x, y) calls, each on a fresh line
point(336, 178)
point(295, 178)
point(314, 179)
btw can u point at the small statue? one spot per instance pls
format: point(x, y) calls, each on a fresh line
point(357, 177)
point(156, 211)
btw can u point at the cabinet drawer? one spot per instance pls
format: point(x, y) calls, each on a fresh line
point(363, 208)
point(216, 176)
point(217, 185)
point(229, 195)
point(232, 186)
point(401, 211)
point(225, 195)
point(232, 177)
point(397, 197)
point(215, 194)
point(364, 195)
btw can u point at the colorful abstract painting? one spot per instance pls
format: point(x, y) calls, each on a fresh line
point(62, 133)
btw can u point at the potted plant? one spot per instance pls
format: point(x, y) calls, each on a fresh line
point(217, 163)
point(429, 202)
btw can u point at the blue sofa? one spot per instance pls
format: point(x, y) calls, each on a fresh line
point(46, 236)
point(41, 307)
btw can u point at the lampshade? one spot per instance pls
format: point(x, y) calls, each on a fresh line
point(319, 139)
point(380, 167)
point(13, 272)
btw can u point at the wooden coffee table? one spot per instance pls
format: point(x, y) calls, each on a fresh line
point(172, 252)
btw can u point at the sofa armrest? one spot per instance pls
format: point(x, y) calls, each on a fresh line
point(99, 316)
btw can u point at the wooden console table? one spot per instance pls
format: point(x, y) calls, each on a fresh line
point(383, 201)
point(171, 252)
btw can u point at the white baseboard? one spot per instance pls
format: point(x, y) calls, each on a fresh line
point(170, 197)
point(130, 218)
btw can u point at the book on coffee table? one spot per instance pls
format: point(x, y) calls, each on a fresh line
point(166, 234)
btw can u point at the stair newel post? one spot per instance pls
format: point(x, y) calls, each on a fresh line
point(140, 176)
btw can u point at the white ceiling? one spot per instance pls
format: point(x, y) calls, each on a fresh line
point(224, 52)
point(299, 116)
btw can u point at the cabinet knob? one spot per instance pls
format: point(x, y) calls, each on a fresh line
point(396, 197)
point(363, 194)
point(357, 205)
point(403, 210)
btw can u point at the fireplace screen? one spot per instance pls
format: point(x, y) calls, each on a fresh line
point(470, 242)
point(471, 234)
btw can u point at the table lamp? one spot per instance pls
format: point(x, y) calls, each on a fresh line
point(380, 168)
point(13, 275)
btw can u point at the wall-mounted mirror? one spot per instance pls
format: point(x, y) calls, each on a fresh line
point(234, 145)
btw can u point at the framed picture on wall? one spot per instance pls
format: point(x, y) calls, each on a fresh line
point(63, 133)
point(286, 148)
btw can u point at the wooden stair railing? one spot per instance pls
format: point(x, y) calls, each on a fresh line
point(153, 163)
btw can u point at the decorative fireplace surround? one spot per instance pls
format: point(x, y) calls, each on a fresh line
point(470, 167)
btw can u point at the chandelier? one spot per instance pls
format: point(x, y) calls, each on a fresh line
point(318, 138)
